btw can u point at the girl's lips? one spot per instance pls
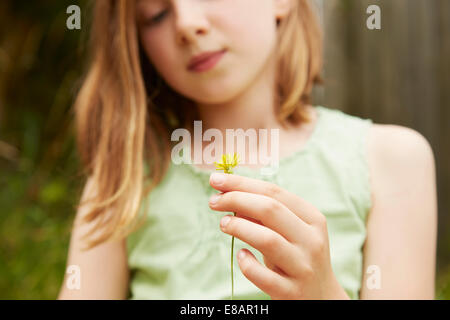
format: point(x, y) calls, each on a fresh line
point(205, 61)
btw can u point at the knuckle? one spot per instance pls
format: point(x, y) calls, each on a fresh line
point(272, 207)
point(273, 190)
point(270, 241)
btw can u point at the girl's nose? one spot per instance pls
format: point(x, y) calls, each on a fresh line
point(190, 21)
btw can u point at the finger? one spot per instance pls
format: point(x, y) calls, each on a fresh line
point(231, 182)
point(267, 280)
point(272, 245)
point(272, 213)
point(270, 265)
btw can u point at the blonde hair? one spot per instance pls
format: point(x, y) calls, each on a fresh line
point(125, 112)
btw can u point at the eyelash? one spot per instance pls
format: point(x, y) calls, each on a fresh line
point(157, 18)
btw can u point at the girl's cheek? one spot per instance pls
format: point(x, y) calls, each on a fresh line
point(243, 32)
point(156, 48)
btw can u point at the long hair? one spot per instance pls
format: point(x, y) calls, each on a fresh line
point(125, 112)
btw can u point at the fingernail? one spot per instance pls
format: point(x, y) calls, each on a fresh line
point(214, 198)
point(225, 220)
point(217, 178)
point(241, 255)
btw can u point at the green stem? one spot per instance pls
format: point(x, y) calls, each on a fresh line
point(232, 282)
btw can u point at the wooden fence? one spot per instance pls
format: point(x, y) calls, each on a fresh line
point(396, 75)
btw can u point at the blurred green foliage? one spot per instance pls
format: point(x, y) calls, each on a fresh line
point(40, 66)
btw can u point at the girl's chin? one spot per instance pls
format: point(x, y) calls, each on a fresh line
point(215, 95)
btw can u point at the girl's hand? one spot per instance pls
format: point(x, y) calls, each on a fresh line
point(290, 233)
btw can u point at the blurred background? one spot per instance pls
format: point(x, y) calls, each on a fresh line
point(396, 75)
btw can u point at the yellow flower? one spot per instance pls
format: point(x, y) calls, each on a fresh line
point(228, 163)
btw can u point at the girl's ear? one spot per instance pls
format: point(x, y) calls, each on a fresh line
point(282, 8)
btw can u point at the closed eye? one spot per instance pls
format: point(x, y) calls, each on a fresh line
point(156, 19)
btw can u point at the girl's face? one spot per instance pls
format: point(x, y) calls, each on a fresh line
point(172, 32)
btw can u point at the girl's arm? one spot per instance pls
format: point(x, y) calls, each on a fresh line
point(401, 227)
point(103, 270)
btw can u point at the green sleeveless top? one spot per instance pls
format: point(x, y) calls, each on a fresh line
point(181, 252)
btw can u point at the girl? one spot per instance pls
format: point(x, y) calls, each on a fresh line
point(350, 213)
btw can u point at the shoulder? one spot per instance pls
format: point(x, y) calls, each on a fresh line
point(394, 147)
point(399, 160)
